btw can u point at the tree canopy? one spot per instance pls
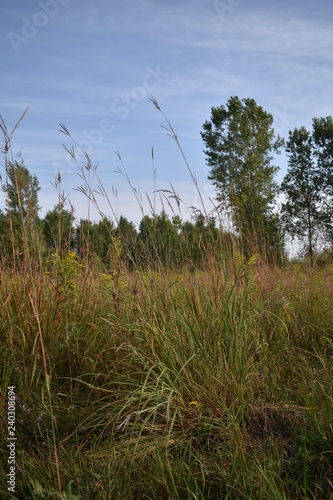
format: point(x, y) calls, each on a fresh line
point(22, 208)
point(307, 212)
point(240, 146)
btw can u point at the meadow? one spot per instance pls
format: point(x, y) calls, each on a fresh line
point(152, 382)
point(206, 384)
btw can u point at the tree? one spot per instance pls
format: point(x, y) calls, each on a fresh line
point(5, 240)
point(273, 239)
point(302, 187)
point(95, 239)
point(240, 144)
point(158, 241)
point(128, 235)
point(58, 229)
point(22, 209)
point(322, 135)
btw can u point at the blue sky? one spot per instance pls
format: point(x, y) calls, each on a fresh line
point(93, 65)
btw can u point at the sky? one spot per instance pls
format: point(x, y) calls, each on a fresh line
point(93, 66)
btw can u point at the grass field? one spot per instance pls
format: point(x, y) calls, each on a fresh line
point(151, 383)
point(197, 384)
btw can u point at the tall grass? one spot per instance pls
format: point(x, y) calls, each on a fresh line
point(202, 383)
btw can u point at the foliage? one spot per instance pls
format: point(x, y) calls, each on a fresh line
point(21, 189)
point(128, 235)
point(302, 188)
point(5, 241)
point(322, 133)
point(58, 229)
point(95, 239)
point(307, 210)
point(240, 144)
point(65, 269)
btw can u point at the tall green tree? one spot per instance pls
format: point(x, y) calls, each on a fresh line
point(322, 134)
point(302, 211)
point(240, 146)
point(22, 207)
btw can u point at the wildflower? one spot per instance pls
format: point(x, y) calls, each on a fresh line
point(252, 260)
point(40, 417)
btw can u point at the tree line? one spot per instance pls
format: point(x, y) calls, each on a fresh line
point(241, 152)
point(241, 146)
point(158, 241)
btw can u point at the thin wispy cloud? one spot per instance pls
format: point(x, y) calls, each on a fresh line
point(93, 66)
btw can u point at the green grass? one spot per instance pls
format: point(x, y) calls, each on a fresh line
point(206, 385)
